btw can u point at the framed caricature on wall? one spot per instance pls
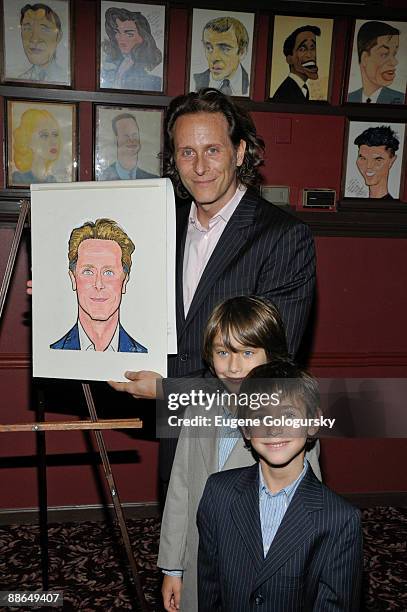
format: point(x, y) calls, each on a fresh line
point(132, 46)
point(127, 143)
point(37, 46)
point(378, 66)
point(41, 143)
point(221, 51)
point(373, 165)
point(301, 59)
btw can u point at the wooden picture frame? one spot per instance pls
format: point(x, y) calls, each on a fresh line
point(377, 63)
point(373, 167)
point(301, 62)
point(39, 50)
point(221, 51)
point(41, 145)
point(132, 46)
point(127, 142)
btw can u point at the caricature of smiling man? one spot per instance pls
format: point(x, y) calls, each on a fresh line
point(300, 50)
point(99, 267)
point(376, 156)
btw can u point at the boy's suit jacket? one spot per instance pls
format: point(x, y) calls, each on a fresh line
point(195, 460)
point(314, 562)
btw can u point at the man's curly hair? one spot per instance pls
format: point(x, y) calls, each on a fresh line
point(241, 127)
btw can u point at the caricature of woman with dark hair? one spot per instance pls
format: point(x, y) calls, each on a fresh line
point(130, 53)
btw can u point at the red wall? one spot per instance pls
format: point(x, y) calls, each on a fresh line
point(358, 327)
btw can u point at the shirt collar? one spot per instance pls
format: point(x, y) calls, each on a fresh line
point(123, 173)
point(225, 213)
point(289, 490)
point(86, 343)
point(299, 82)
point(373, 97)
point(235, 82)
point(36, 70)
point(39, 71)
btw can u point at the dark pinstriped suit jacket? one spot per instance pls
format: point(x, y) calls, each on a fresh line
point(262, 251)
point(314, 562)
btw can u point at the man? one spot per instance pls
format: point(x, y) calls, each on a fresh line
point(41, 33)
point(300, 50)
point(225, 42)
point(376, 156)
point(99, 266)
point(126, 131)
point(229, 240)
point(378, 44)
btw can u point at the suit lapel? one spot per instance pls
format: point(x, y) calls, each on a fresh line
point(245, 82)
point(72, 341)
point(246, 516)
point(210, 443)
point(182, 226)
point(230, 243)
point(296, 527)
point(210, 451)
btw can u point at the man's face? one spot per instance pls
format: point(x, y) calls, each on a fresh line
point(374, 164)
point(379, 64)
point(222, 53)
point(303, 61)
point(127, 36)
point(206, 158)
point(128, 142)
point(99, 279)
point(40, 37)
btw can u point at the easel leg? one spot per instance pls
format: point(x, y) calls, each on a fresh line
point(13, 253)
point(115, 499)
point(41, 452)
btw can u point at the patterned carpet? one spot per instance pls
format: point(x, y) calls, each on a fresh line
point(86, 562)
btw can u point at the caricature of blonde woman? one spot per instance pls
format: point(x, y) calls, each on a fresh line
point(36, 146)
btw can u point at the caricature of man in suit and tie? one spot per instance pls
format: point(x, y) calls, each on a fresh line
point(300, 50)
point(41, 33)
point(225, 41)
point(99, 256)
point(127, 134)
point(378, 44)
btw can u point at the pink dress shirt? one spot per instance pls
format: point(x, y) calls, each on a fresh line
point(200, 243)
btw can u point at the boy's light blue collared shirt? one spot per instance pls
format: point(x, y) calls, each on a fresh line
point(273, 506)
point(228, 437)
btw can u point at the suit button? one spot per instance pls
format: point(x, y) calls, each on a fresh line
point(184, 357)
point(258, 600)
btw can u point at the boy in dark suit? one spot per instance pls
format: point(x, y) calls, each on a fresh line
point(271, 536)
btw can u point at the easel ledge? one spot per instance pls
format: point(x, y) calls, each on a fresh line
point(73, 425)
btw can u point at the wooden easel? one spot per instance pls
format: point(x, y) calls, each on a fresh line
point(94, 424)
